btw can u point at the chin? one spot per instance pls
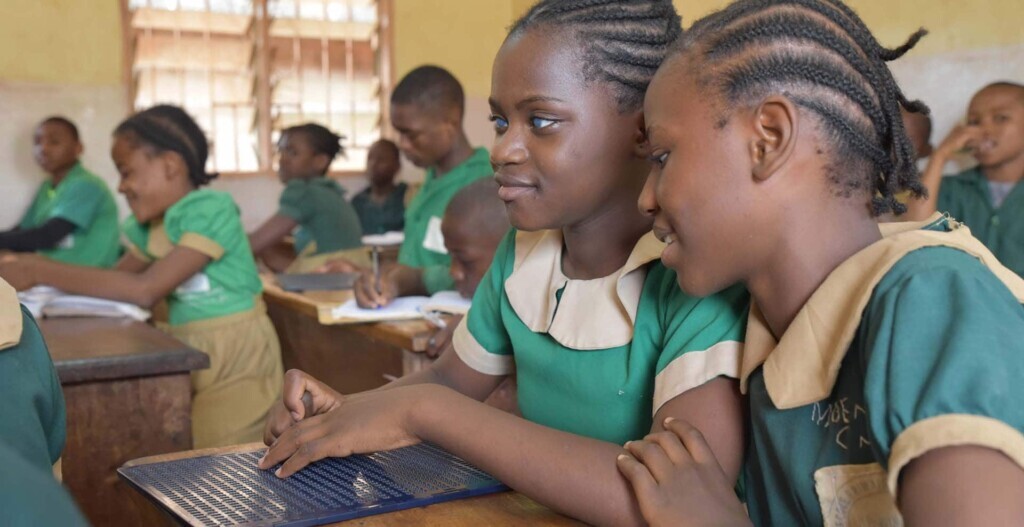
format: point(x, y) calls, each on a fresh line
point(697, 286)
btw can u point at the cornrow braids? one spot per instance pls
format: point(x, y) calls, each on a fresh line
point(321, 140)
point(626, 42)
point(822, 56)
point(166, 128)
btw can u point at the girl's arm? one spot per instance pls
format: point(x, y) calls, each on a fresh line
point(963, 485)
point(569, 473)
point(126, 283)
point(931, 178)
point(271, 232)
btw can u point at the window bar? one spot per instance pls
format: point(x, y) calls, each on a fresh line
point(264, 120)
point(325, 64)
point(178, 56)
point(210, 79)
point(297, 61)
point(350, 79)
point(234, 134)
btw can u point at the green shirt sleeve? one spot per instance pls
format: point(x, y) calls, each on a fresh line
point(79, 202)
point(437, 278)
point(945, 360)
point(136, 236)
point(703, 337)
point(30, 495)
point(31, 400)
point(294, 202)
point(481, 340)
point(208, 222)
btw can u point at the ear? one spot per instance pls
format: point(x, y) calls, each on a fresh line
point(79, 149)
point(174, 166)
point(322, 163)
point(776, 123)
point(641, 146)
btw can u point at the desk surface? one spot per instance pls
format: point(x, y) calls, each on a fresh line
point(102, 349)
point(505, 508)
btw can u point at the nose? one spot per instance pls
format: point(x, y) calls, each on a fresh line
point(647, 202)
point(509, 149)
point(404, 144)
point(457, 272)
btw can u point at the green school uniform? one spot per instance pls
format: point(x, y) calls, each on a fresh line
point(323, 215)
point(207, 221)
point(966, 197)
point(83, 199)
point(599, 357)
point(30, 496)
point(912, 344)
point(31, 400)
point(217, 311)
point(378, 218)
point(424, 244)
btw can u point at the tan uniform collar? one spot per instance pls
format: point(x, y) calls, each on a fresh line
point(10, 316)
point(592, 314)
point(803, 366)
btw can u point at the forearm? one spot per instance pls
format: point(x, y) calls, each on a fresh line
point(569, 473)
point(44, 237)
point(920, 209)
point(113, 284)
point(449, 371)
point(409, 281)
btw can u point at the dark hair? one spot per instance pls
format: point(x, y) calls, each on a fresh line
point(822, 56)
point(623, 42)
point(322, 140)
point(166, 128)
point(1006, 84)
point(390, 145)
point(64, 121)
point(430, 87)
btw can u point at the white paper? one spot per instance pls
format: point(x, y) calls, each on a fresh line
point(448, 302)
point(384, 240)
point(49, 302)
point(403, 308)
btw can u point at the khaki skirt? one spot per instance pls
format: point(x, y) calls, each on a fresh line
point(231, 399)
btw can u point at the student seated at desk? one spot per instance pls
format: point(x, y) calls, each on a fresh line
point(381, 206)
point(427, 107)
point(576, 302)
point(73, 217)
point(987, 198)
point(188, 247)
point(882, 366)
point(315, 204)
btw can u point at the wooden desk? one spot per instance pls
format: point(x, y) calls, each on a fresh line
point(505, 508)
point(128, 394)
point(348, 357)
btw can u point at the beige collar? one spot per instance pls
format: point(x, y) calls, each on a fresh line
point(802, 367)
point(159, 244)
point(592, 314)
point(10, 316)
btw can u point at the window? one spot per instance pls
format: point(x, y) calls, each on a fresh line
point(245, 69)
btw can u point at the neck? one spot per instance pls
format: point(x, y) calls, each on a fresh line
point(811, 248)
point(60, 174)
point(1010, 171)
point(459, 152)
point(382, 189)
point(601, 244)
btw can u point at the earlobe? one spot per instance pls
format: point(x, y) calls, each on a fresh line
point(775, 126)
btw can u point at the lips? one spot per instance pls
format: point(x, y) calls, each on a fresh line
point(510, 189)
point(985, 146)
point(666, 235)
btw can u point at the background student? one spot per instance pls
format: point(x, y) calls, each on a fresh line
point(73, 217)
point(188, 247)
point(311, 201)
point(381, 206)
point(881, 373)
point(987, 198)
point(427, 107)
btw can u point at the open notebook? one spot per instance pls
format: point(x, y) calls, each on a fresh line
point(49, 302)
point(403, 308)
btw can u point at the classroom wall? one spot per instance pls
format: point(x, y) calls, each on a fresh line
point(64, 56)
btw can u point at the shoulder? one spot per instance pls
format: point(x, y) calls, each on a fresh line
point(933, 265)
point(203, 201)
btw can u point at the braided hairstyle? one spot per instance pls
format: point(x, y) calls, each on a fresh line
point(624, 41)
point(321, 140)
point(167, 128)
point(822, 56)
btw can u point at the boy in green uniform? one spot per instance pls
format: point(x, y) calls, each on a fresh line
point(188, 247)
point(987, 198)
point(427, 107)
point(73, 217)
point(882, 364)
point(381, 206)
point(311, 202)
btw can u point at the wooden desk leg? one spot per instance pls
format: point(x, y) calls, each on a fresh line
point(110, 423)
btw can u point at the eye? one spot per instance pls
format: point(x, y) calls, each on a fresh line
point(1001, 118)
point(658, 159)
point(500, 123)
point(541, 123)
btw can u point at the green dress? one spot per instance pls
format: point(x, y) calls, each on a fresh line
point(966, 197)
point(318, 205)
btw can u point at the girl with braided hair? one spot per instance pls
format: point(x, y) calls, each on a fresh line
point(575, 302)
point(881, 364)
point(186, 247)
